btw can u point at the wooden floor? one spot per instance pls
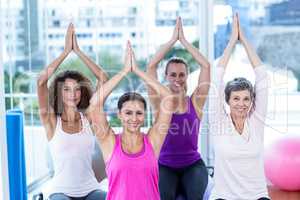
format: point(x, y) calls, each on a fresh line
point(277, 194)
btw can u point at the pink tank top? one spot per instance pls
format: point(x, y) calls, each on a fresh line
point(132, 176)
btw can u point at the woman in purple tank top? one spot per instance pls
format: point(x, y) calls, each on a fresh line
point(131, 157)
point(180, 165)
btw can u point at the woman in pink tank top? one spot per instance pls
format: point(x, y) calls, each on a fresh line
point(131, 157)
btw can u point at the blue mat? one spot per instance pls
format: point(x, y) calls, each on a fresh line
point(16, 155)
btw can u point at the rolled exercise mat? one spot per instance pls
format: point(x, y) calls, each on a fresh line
point(16, 155)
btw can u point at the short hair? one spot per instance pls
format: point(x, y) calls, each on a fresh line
point(239, 84)
point(55, 91)
point(176, 60)
point(131, 96)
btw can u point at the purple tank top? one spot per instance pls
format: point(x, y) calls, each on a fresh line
point(180, 148)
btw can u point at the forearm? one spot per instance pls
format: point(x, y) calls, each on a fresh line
point(204, 80)
point(261, 80)
point(226, 54)
point(200, 59)
point(52, 67)
point(98, 71)
point(163, 50)
point(252, 55)
point(261, 92)
point(153, 83)
point(107, 87)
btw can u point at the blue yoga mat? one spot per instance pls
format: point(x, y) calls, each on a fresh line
point(16, 155)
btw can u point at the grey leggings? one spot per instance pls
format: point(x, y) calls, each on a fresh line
point(94, 195)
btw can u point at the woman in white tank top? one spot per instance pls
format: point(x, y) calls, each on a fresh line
point(64, 112)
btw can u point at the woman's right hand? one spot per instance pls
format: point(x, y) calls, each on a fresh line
point(235, 29)
point(134, 65)
point(241, 35)
point(69, 38)
point(175, 35)
point(181, 36)
point(75, 46)
point(127, 62)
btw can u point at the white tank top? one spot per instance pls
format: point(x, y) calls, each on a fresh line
point(72, 160)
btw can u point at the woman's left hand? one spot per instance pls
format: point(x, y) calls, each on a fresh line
point(181, 33)
point(76, 48)
point(134, 65)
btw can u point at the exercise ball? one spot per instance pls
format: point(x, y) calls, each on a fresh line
point(282, 163)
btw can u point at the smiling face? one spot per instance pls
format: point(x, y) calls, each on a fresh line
point(132, 115)
point(176, 74)
point(240, 103)
point(71, 93)
point(70, 88)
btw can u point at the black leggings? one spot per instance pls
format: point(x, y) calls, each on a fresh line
point(263, 198)
point(191, 181)
point(94, 195)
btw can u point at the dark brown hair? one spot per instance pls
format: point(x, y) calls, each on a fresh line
point(55, 91)
point(176, 60)
point(131, 96)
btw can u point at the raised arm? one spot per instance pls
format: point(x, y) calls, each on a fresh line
point(97, 70)
point(153, 64)
point(217, 96)
point(96, 115)
point(46, 113)
point(252, 55)
point(261, 78)
point(231, 44)
point(163, 50)
point(161, 125)
point(200, 93)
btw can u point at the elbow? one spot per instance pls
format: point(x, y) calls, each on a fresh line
point(105, 78)
point(102, 77)
point(207, 65)
point(151, 67)
point(97, 101)
point(41, 81)
point(167, 93)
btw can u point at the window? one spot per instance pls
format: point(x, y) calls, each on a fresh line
point(88, 23)
point(184, 4)
point(132, 11)
point(133, 35)
point(56, 23)
point(131, 22)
